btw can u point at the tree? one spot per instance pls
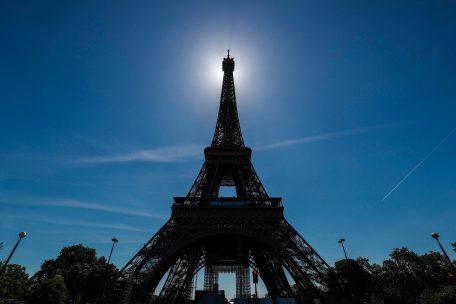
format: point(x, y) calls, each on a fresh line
point(454, 246)
point(86, 277)
point(14, 282)
point(51, 290)
point(405, 276)
point(399, 281)
point(356, 279)
point(443, 295)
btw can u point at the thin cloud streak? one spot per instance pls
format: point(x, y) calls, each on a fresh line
point(68, 203)
point(108, 241)
point(165, 155)
point(93, 225)
point(115, 226)
point(418, 165)
point(181, 153)
point(326, 136)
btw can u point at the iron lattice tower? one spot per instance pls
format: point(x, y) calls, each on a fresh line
point(226, 234)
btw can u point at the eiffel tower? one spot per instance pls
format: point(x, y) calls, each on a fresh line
point(226, 234)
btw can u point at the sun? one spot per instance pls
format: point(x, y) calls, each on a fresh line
point(207, 77)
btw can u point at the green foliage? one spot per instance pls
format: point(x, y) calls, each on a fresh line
point(78, 276)
point(14, 282)
point(404, 278)
point(51, 290)
point(406, 275)
point(357, 280)
point(443, 295)
point(86, 277)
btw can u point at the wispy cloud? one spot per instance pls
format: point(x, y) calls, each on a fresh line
point(163, 154)
point(107, 240)
point(180, 153)
point(70, 203)
point(327, 136)
point(93, 225)
point(114, 226)
point(418, 165)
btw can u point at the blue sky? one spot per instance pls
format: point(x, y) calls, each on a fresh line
point(106, 107)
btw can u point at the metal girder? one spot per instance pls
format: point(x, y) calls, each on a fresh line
point(272, 242)
point(179, 283)
point(228, 170)
point(228, 129)
point(226, 233)
point(271, 271)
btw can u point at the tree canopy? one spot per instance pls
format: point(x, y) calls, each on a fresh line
point(50, 290)
point(14, 282)
point(85, 276)
point(78, 276)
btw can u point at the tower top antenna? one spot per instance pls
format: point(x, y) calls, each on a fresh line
point(228, 50)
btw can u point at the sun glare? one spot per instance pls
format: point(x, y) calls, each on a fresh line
point(209, 54)
point(212, 74)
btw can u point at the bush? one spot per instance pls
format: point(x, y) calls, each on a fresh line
point(48, 291)
point(14, 282)
point(444, 295)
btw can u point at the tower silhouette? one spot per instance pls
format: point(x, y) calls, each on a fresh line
point(226, 234)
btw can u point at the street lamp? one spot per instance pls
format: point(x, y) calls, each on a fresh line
point(341, 242)
point(102, 296)
point(114, 241)
point(435, 235)
point(22, 235)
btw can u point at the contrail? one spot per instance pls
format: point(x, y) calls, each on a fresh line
point(418, 165)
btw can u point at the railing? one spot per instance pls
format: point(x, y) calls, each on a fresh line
point(229, 201)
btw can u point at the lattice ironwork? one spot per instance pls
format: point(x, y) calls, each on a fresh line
point(226, 234)
point(241, 272)
point(181, 273)
point(228, 129)
point(242, 282)
point(211, 278)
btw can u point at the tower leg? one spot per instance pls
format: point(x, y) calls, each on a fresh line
point(211, 278)
point(272, 273)
point(179, 283)
point(242, 282)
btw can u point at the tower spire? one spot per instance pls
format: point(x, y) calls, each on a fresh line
point(228, 130)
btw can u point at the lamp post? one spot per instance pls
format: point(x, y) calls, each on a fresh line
point(114, 241)
point(341, 242)
point(353, 287)
point(102, 296)
point(22, 235)
point(435, 235)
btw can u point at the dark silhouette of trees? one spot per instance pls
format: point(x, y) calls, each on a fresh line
point(404, 278)
point(356, 280)
point(406, 275)
point(14, 283)
point(444, 295)
point(78, 276)
point(88, 279)
point(50, 290)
